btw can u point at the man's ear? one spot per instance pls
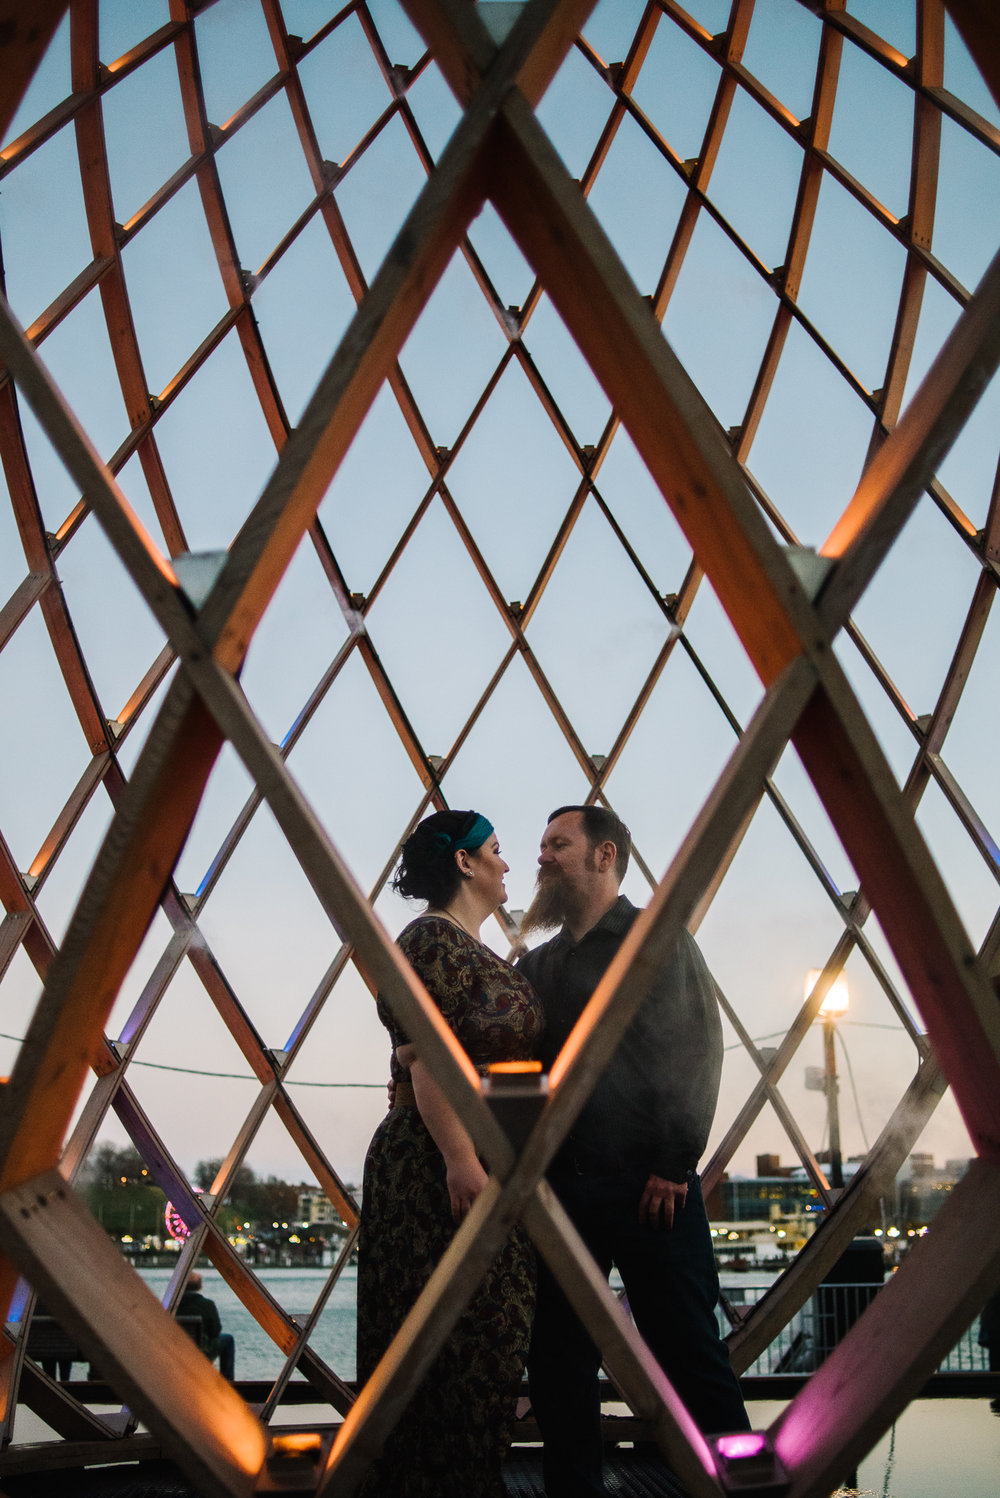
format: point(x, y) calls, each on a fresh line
point(606, 855)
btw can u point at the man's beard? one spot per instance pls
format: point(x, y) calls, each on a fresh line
point(554, 902)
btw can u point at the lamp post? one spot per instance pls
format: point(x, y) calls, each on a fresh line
point(832, 1009)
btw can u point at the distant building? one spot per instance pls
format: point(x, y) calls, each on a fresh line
point(767, 1216)
point(775, 1191)
point(315, 1207)
point(776, 1211)
point(922, 1189)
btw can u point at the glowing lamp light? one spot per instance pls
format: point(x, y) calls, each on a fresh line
point(296, 1442)
point(746, 1462)
point(296, 1454)
point(748, 1443)
point(835, 1005)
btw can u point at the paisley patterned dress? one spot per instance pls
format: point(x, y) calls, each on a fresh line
point(452, 1437)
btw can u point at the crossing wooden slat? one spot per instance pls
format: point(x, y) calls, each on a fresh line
point(97, 1296)
point(25, 32)
point(849, 1401)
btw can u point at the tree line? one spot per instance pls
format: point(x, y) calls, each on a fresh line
point(121, 1194)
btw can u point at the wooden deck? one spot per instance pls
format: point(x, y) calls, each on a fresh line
point(628, 1474)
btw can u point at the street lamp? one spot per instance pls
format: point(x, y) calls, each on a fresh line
point(833, 1008)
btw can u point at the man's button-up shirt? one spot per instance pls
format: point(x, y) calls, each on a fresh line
point(652, 1107)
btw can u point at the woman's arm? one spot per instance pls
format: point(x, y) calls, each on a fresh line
point(466, 1177)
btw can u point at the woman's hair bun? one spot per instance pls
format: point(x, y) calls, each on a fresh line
point(427, 868)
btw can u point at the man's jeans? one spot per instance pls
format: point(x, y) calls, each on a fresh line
point(672, 1286)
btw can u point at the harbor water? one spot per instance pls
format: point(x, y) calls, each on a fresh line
point(939, 1448)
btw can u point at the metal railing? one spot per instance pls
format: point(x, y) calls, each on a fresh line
point(823, 1320)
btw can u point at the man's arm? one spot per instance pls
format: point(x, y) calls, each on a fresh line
point(685, 1027)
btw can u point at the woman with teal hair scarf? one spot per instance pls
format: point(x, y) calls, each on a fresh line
point(422, 1176)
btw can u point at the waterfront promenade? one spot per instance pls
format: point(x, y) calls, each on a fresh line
point(939, 1448)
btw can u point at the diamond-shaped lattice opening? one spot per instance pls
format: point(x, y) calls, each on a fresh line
point(404, 423)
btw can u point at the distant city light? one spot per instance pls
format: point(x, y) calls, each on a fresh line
point(174, 1222)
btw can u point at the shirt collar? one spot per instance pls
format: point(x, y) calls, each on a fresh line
point(615, 921)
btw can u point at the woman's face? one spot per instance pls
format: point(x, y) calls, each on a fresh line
point(489, 870)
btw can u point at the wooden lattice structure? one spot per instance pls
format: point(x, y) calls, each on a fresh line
point(792, 594)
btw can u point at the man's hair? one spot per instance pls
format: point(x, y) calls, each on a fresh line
point(602, 826)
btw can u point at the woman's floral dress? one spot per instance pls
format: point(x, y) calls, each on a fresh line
point(452, 1437)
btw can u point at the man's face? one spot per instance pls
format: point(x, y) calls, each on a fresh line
point(566, 867)
point(566, 856)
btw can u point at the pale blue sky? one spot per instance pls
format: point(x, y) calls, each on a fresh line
point(597, 630)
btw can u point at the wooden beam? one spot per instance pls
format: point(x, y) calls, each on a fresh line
point(159, 806)
point(626, 1356)
point(909, 896)
point(861, 1388)
point(121, 894)
point(595, 1036)
point(666, 416)
point(884, 1161)
point(26, 28)
point(899, 472)
point(538, 42)
point(364, 360)
point(51, 1401)
point(977, 24)
point(200, 1419)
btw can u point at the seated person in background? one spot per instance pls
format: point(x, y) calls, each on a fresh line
point(215, 1343)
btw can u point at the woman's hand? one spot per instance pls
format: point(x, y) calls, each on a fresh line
point(466, 1178)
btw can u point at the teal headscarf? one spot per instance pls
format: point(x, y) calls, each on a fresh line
point(474, 838)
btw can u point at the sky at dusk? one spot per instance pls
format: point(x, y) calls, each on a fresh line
point(438, 632)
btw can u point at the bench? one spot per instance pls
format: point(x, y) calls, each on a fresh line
point(55, 1350)
point(53, 1347)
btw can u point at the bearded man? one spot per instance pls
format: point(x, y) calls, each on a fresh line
point(627, 1173)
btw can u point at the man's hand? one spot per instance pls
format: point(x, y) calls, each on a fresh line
point(660, 1200)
